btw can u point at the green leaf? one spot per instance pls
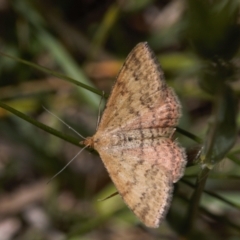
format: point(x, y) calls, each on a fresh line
point(223, 127)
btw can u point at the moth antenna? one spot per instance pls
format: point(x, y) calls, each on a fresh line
point(66, 165)
point(99, 110)
point(63, 122)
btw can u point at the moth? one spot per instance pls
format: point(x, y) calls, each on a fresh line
point(135, 137)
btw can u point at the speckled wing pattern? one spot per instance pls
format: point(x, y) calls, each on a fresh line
point(134, 137)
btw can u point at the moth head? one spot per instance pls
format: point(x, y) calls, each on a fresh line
point(89, 142)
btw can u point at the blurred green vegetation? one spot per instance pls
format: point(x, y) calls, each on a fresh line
point(197, 45)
